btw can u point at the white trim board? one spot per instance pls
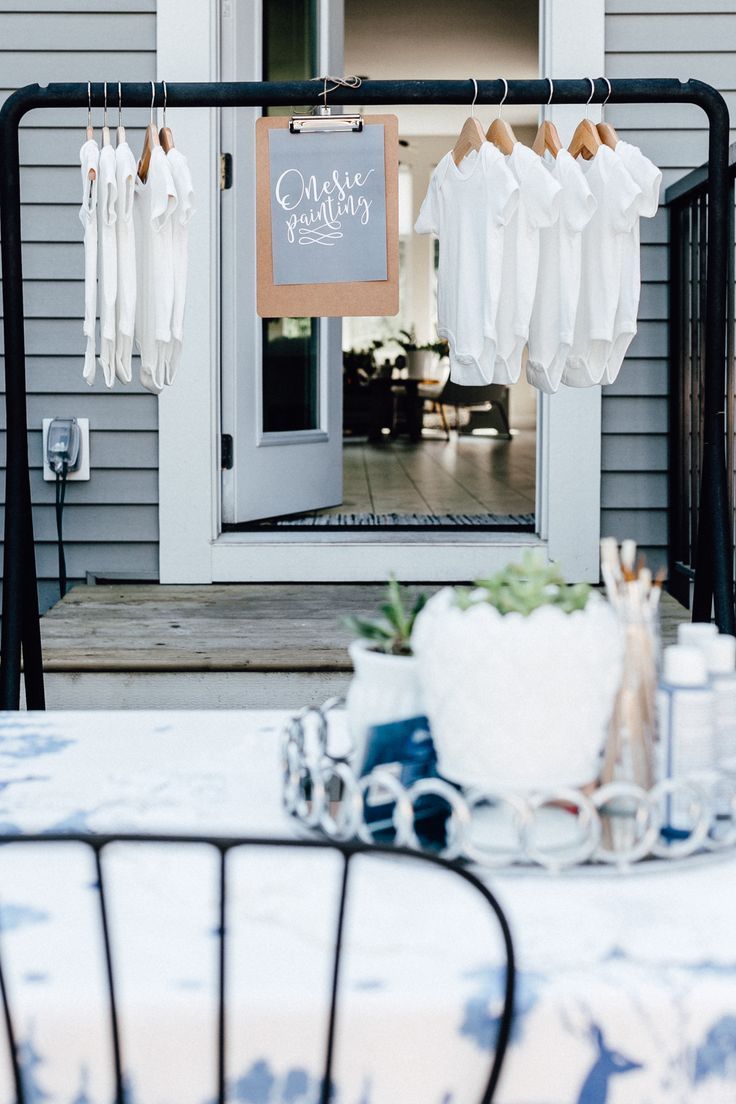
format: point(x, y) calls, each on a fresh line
point(192, 550)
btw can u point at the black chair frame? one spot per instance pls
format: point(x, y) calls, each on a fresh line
point(223, 845)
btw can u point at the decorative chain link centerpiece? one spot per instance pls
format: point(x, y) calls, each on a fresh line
point(616, 825)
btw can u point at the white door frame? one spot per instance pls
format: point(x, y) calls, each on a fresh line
point(192, 548)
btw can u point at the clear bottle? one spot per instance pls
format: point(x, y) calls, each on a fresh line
point(720, 658)
point(685, 714)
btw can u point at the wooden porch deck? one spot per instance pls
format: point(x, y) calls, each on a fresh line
point(228, 646)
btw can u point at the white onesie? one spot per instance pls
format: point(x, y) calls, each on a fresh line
point(125, 173)
point(649, 179)
point(539, 206)
point(558, 283)
point(467, 207)
point(153, 207)
point(89, 156)
point(180, 234)
point(618, 198)
point(107, 271)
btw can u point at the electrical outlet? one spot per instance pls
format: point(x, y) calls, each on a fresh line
point(82, 471)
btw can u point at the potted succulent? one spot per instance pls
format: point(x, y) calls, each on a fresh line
point(519, 677)
point(386, 685)
point(421, 360)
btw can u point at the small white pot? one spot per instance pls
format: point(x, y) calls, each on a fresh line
point(518, 702)
point(422, 364)
point(384, 688)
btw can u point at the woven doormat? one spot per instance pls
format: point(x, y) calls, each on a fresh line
point(486, 522)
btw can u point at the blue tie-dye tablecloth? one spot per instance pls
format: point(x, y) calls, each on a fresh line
point(627, 985)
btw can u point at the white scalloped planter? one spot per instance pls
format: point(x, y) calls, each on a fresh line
point(518, 702)
point(384, 688)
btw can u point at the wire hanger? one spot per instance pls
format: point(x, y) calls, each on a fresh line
point(150, 141)
point(120, 136)
point(547, 137)
point(471, 136)
point(586, 140)
point(105, 127)
point(499, 132)
point(606, 132)
point(165, 136)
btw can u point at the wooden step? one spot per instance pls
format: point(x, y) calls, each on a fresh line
point(256, 646)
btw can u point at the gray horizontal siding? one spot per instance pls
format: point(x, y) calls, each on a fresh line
point(656, 38)
point(110, 522)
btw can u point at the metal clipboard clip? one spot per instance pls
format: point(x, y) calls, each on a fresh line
point(324, 122)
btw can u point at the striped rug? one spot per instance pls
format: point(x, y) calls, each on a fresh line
point(487, 522)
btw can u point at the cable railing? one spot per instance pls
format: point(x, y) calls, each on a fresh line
point(687, 201)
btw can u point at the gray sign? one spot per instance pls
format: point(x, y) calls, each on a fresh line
point(328, 206)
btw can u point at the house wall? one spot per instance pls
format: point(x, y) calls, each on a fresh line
point(656, 38)
point(111, 522)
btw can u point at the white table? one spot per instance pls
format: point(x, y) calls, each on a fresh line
point(627, 985)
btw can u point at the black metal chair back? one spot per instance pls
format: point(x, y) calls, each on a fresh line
point(223, 846)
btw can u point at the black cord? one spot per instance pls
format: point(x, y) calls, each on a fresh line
point(60, 495)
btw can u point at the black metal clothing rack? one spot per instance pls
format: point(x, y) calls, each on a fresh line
point(714, 567)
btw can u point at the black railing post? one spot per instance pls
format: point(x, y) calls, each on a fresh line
point(714, 563)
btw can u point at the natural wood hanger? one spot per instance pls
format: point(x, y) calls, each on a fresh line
point(165, 136)
point(606, 132)
point(120, 133)
point(586, 140)
point(105, 127)
point(547, 137)
point(150, 141)
point(471, 136)
point(92, 173)
point(499, 132)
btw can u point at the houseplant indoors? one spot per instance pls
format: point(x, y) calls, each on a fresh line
point(519, 677)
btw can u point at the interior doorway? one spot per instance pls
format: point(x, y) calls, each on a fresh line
point(417, 450)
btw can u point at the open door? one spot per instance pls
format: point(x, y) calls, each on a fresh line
point(282, 378)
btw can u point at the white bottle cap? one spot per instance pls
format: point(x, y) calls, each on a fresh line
point(684, 665)
point(696, 633)
point(720, 654)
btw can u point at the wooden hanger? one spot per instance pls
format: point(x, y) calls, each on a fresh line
point(547, 137)
point(586, 140)
point(606, 132)
point(120, 133)
point(471, 137)
point(90, 128)
point(499, 132)
point(105, 127)
point(165, 136)
point(150, 141)
point(91, 174)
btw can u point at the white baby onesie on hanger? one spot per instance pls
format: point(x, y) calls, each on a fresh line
point(552, 324)
point(125, 175)
point(618, 198)
point(89, 156)
point(649, 178)
point(538, 207)
point(180, 243)
point(467, 207)
point(107, 271)
point(153, 207)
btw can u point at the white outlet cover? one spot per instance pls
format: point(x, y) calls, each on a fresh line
point(82, 472)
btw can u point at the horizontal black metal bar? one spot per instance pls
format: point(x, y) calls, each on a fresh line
point(370, 92)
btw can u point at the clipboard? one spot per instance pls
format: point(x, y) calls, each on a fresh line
point(325, 300)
